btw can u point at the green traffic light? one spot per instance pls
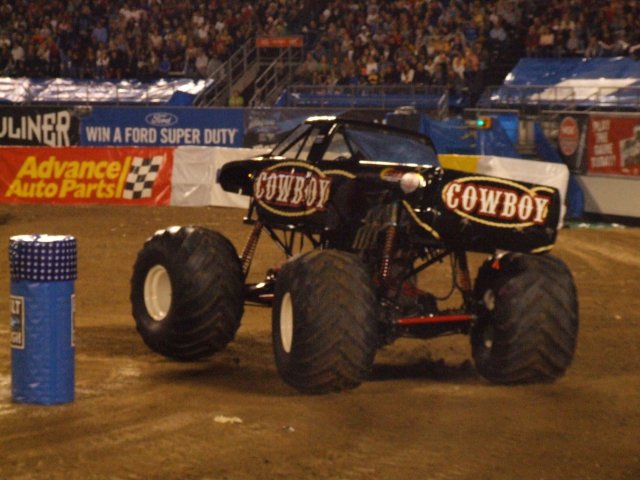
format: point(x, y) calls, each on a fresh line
point(483, 122)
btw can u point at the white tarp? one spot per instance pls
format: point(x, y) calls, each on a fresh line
point(63, 90)
point(195, 172)
point(611, 194)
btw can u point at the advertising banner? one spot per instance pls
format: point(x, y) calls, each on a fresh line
point(572, 134)
point(294, 41)
point(613, 145)
point(44, 126)
point(83, 175)
point(163, 126)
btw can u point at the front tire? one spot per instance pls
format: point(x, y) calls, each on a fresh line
point(324, 322)
point(187, 292)
point(528, 319)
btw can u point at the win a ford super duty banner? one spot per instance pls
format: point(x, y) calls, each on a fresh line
point(162, 126)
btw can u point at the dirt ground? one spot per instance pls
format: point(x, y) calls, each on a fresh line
point(425, 413)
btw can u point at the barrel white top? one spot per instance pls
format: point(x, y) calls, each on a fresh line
point(43, 257)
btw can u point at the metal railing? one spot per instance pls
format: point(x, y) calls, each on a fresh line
point(223, 78)
point(585, 94)
point(422, 97)
point(277, 75)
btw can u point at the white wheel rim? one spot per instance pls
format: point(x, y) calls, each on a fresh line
point(487, 340)
point(489, 300)
point(157, 292)
point(286, 322)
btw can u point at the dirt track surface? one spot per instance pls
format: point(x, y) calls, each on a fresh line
point(425, 413)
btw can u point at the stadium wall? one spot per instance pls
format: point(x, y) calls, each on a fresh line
point(182, 176)
point(601, 149)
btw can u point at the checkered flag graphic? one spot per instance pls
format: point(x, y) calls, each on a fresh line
point(142, 175)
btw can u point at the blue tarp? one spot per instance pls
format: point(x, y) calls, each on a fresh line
point(495, 141)
point(334, 100)
point(455, 136)
point(578, 82)
point(449, 136)
point(365, 99)
point(552, 71)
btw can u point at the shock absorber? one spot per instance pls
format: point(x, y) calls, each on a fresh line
point(250, 247)
point(463, 278)
point(389, 243)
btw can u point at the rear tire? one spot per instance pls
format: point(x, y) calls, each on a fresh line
point(187, 292)
point(324, 322)
point(528, 319)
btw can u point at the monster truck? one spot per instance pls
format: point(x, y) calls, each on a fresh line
point(359, 210)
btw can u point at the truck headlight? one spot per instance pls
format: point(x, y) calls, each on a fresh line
point(411, 181)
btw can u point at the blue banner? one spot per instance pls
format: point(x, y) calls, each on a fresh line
point(162, 126)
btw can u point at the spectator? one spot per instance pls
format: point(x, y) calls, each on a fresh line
point(457, 72)
point(593, 49)
point(574, 46)
point(191, 53)
point(100, 34)
point(236, 99)
point(365, 41)
point(421, 76)
point(202, 62)
point(102, 63)
point(546, 41)
point(308, 69)
point(5, 53)
point(164, 67)
point(407, 74)
point(17, 59)
point(143, 30)
point(531, 42)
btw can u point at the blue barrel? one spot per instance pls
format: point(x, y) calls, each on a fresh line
point(43, 270)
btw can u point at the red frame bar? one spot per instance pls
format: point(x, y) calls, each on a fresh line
point(457, 317)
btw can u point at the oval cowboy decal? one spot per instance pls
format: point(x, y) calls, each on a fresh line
point(497, 202)
point(292, 189)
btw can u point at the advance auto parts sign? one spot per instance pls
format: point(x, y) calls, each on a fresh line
point(497, 202)
point(292, 189)
point(86, 175)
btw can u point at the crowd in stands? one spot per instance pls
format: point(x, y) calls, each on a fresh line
point(456, 43)
point(142, 39)
point(573, 28)
point(407, 42)
point(401, 42)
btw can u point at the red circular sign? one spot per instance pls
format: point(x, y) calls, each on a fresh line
point(568, 136)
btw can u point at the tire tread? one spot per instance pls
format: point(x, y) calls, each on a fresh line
point(535, 320)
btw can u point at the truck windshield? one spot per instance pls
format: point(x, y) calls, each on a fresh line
point(292, 138)
point(389, 146)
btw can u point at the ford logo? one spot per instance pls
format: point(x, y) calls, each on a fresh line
point(161, 119)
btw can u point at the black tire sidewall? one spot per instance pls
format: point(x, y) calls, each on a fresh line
point(310, 365)
point(197, 328)
point(514, 328)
